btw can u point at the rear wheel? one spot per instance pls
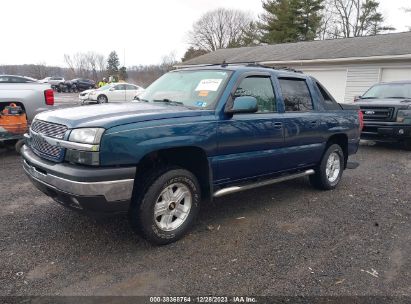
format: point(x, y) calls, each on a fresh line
point(328, 174)
point(167, 206)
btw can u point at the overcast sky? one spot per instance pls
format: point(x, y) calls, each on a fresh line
point(42, 31)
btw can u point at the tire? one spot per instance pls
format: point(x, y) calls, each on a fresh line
point(328, 174)
point(19, 145)
point(407, 144)
point(102, 99)
point(174, 195)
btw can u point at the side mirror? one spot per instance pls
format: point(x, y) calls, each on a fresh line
point(112, 89)
point(243, 104)
point(357, 98)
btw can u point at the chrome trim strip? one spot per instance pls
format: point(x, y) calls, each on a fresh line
point(68, 144)
point(234, 189)
point(117, 190)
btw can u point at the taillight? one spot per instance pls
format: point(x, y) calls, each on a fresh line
point(361, 119)
point(49, 97)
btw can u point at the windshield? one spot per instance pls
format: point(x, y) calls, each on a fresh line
point(198, 89)
point(389, 90)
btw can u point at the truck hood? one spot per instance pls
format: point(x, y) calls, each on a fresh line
point(110, 115)
point(387, 102)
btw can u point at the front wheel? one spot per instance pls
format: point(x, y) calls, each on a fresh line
point(167, 207)
point(328, 174)
point(102, 99)
point(407, 144)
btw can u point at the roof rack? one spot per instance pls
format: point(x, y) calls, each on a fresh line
point(247, 64)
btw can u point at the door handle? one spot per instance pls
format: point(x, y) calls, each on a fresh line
point(314, 124)
point(278, 125)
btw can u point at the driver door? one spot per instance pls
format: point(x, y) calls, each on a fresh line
point(250, 144)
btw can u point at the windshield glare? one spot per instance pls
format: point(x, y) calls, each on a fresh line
point(198, 89)
point(391, 90)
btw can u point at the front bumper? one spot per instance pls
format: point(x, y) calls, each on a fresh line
point(84, 98)
point(385, 131)
point(92, 190)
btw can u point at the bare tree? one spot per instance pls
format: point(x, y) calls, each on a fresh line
point(168, 62)
point(70, 64)
point(101, 65)
point(219, 28)
point(352, 18)
point(85, 64)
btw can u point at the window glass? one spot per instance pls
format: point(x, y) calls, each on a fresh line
point(191, 88)
point(260, 88)
point(131, 87)
point(297, 97)
point(389, 90)
point(329, 102)
point(120, 87)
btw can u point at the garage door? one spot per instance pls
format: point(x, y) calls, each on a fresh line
point(333, 80)
point(395, 74)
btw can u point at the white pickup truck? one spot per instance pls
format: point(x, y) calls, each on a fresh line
point(33, 97)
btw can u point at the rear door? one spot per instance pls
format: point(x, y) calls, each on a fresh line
point(249, 144)
point(119, 93)
point(131, 91)
point(303, 125)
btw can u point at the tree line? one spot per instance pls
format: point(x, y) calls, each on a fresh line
point(285, 21)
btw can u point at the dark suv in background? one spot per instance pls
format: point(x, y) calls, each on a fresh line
point(82, 84)
point(386, 108)
point(75, 85)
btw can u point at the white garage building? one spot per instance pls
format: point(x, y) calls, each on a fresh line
point(347, 67)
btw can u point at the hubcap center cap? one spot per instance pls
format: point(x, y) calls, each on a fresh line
point(172, 206)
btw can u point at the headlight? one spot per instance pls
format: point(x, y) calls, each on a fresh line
point(404, 116)
point(90, 136)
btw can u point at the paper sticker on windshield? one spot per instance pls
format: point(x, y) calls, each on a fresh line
point(209, 85)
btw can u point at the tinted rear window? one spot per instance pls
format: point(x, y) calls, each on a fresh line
point(297, 97)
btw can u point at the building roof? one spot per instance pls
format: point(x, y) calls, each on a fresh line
point(395, 44)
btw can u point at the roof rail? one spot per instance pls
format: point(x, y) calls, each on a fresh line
point(247, 64)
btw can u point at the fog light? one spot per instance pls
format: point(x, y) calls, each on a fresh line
point(82, 157)
point(401, 131)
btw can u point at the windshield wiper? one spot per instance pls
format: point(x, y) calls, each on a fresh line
point(369, 97)
point(169, 101)
point(397, 97)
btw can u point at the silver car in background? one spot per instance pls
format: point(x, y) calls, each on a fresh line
point(34, 97)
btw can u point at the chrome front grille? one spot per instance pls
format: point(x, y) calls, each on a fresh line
point(40, 145)
point(49, 129)
point(40, 129)
point(377, 113)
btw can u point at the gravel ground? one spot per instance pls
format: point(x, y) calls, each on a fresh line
point(286, 239)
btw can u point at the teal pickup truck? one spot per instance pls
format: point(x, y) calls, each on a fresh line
point(193, 135)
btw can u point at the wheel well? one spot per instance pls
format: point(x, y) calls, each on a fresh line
point(193, 159)
point(342, 141)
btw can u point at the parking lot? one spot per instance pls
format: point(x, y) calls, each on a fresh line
point(285, 239)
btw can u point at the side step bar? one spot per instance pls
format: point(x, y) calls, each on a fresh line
point(235, 189)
